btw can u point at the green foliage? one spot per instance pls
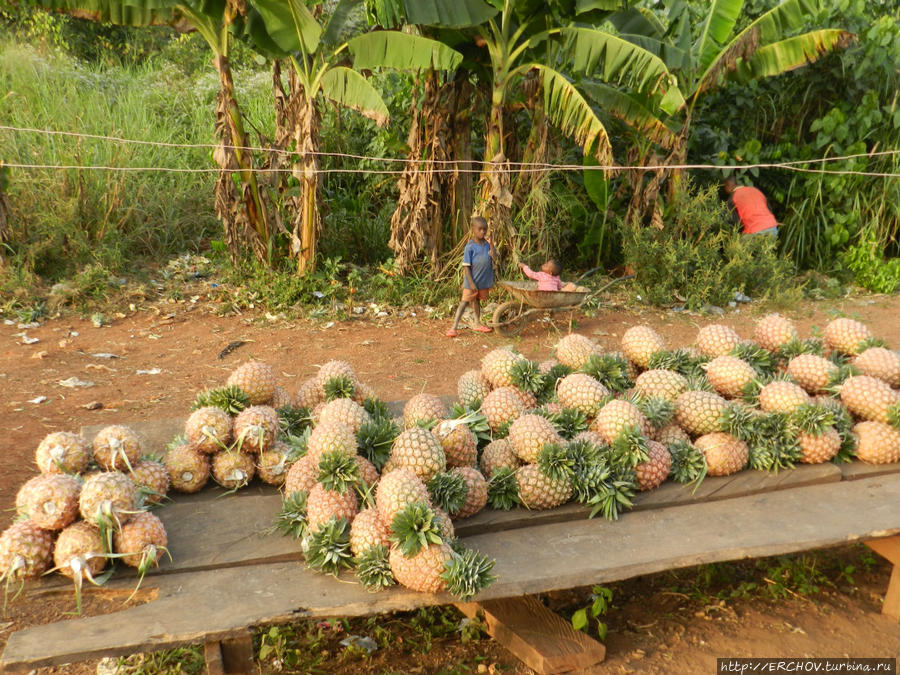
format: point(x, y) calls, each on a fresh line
point(600, 598)
point(179, 661)
point(698, 258)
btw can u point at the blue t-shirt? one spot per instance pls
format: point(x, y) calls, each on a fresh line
point(478, 257)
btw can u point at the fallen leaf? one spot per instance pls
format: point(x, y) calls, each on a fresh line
point(93, 405)
point(29, 340)
point(105, 355)
point(39, 355)
point(73, 382)
point(37, 400)
point(99, 366)
point(152, 371)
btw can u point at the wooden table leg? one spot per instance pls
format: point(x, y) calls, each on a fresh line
point(233, 656)
point(541, 639)
point(889, 547)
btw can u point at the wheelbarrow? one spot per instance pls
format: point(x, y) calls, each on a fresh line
point(512, 316)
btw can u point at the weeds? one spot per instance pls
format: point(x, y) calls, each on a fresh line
point(183, 660)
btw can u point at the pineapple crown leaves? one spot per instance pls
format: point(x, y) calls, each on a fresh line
point(414, 527)
point(688, 463)
point(610, 494)
point(568, 422)
point(232, 399)
point(658, 411)
point(698, 382)
point(339, 386)
point(812, 419)
point(375, 438)
point(555, 462)
point(629, 448)
point(761, 360)
point(893, 415)
point(610, 370)
point(474, 419)
point(338, 472)
point(293, 420)
point(376, 408)
point(679, 360)
point(557, 372)
point(739, 421)
point(373, 568)
point(328, 549)
point(501, 431)
point(177, 441)
point(503, 489)
point(448, 490)
point(527, 376)
point(773, 454)
point(297, 445)
point(467, 573)
point(291, 520)
point(868, 343)
point(844, 370)
point(796, 347)
point(584, 456)
point(849, 441)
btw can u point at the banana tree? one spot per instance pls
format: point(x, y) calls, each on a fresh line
point(327, 65)
point(239, 201)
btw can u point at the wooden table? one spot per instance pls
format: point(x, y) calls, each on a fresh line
point(231, 571)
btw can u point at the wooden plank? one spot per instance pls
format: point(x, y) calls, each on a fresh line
point(889, 547)
point(668, 494)
point(212, 654)
point(217, 604)
point(237, 654)
point(856, 470)
point(539, 638)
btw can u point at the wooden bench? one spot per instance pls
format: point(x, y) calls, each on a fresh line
point(232, 572)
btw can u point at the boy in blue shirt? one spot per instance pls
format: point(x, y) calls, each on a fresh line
point(478, 275)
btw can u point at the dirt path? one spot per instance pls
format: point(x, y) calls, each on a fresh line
point(166, 354)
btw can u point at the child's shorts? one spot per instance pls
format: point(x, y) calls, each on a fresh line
point(469, 295)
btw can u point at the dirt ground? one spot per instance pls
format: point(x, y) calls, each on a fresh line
point(165, 353)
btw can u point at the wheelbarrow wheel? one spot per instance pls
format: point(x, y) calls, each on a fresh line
point(508, 319)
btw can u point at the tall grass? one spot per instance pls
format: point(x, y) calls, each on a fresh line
point(65, 220)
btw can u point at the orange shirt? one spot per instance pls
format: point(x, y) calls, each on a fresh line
point(752, 209)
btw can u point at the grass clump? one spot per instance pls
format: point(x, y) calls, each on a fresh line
point(700, 258)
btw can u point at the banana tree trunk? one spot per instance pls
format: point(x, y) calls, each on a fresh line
point(532, 185)
point(461, 198)
point(239, 204)
point(307, 220)
point(496, 198)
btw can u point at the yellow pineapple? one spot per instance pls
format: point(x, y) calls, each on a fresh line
point(716, 340)
point(423, 409)
point(729, 375)
point(655, 470)
point(502, 405)
point(471, 388)
point(877, 443)
point(63, 452)
point(782, 396)
point(498, 454)
point(537, 490)
point(256, 379)
point(846, 335)
point(869, 398)
point(574, 350)
point(698, 412)
point(881, 363)
point(529, 433)
point(49, 500)
point(619, 416)
point(496, 366)
point(774, 331)
point(344, 411)
point(812, 372)
point(724, 453)
point(640, 343)
point(420, 451)
point(582, 392)
point(395, 490)
point(658, 383)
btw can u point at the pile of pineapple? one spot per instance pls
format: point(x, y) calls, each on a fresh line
point(90, 505)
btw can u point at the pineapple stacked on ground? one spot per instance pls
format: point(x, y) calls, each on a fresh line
point(87, 508)
point(378, 494)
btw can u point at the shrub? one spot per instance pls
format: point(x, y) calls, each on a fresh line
point(700, 258)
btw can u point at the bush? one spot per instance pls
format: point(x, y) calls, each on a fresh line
point(700, 258)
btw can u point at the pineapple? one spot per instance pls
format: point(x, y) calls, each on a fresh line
point(301, 475)
point(881, 363)
point(659, 383)
point(782, 396)
point(476, 493)
point(582, 392)
point(232, 469)
point(142, 541)
point(367, 531)
point(459, 443)
point(716, 340)
point(617, 417)
point(496, 366)
point(774, 331)
point(471, 388)
point(846, 335)
point(423, 409)
point(108, 500)
point(328, 437)
point(230, 399)
point(255, 429)
point(878, 443)
point(671, 433)
point(116, 447)
point(869, 398)
point(344, 411)
point(188, 469)
point(812, 372)
point(502, 405)
point(256, 379)
point(640, 343)
point(63, 452)
point(498, 454)
point(729, 375)
point(309, 395)
point(420, 451)
point(26, 551)
point(335, 378)
point(151, 479)
point(368, 473)
point(49, 500)
point(272, 465)
point(574, 350)
point(79, 554)
point(821, 447)
point(423, 571)
point(208, 429)
point(589, 436)
point(698, 412)
point(395, 490)
point(281, 398)
point(537, 490)
point(724, 453)
point(529, 433)
point(323, 504)
point(655, 470)
point(364, 392)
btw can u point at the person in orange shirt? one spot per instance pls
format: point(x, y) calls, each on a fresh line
point(751, 208)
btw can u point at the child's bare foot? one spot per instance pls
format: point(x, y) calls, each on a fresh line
point(483, 329)
point(451, 333)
